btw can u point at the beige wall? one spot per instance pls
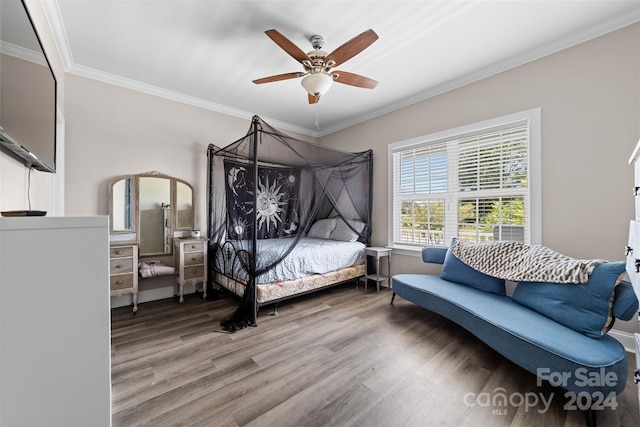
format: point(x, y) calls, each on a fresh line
point(115, 131)
point(590, 102)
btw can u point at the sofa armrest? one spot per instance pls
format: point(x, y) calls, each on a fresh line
point(434, 254)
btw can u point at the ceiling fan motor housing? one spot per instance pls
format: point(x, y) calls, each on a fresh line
point(317, 64)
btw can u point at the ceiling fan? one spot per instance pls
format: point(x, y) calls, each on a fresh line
point(318, 64)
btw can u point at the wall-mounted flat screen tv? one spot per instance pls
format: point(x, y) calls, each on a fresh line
point(27, 90)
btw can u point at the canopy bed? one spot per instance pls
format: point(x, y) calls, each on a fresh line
point(286, 217)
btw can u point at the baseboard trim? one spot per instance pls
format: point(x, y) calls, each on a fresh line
point(627, 339)
point(151, 295)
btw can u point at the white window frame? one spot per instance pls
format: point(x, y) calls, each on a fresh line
point(531, 117)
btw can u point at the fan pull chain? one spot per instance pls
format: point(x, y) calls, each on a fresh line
point(318, 115)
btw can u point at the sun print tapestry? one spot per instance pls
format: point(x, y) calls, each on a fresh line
point(277, 200)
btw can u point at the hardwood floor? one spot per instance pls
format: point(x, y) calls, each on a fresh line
point(341, 357)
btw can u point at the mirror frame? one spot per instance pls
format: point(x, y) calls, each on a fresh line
point(135, 210)
point(174, 203)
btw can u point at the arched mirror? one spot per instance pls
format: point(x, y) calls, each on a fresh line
point(184, 206)
point(154, 204)
point(151, 207)
point(122, 215)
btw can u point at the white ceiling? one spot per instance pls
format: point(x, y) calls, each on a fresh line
point(207, 52)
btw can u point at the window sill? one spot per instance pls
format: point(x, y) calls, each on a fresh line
point(415, 251)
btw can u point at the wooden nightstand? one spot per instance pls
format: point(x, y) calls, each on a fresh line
point(191, 263)
point(377, 253)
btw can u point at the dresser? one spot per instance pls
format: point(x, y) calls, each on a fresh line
point(191, 263)
point(55, 363)
point(123, 271)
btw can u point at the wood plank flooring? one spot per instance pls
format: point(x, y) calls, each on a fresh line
point(340, 357)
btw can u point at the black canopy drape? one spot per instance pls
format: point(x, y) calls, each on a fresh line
point(268, 185)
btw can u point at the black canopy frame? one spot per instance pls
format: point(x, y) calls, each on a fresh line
point(269, 187)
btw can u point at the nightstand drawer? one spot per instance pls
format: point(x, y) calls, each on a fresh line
point(194, 246)
point(121, 265)
point(193, 272)
point(193, 258)
point(121, 281)
point(121, 252)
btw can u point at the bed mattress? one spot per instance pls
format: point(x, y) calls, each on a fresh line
point(309, 256)
point(312, 264)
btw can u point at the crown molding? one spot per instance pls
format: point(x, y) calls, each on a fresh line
point(54, 19)
point(111, 79)
point(22, 53)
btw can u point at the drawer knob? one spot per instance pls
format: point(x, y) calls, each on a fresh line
point(118, 266)
point(118, 282)
point(193, 258)
point(193, 246)
point(119, 251)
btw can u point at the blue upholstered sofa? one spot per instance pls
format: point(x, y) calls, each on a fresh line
point(556, 331)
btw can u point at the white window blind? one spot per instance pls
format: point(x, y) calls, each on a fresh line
point(474, 185)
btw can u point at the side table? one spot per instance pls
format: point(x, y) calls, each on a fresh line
point(191, 263)
point(377, 253)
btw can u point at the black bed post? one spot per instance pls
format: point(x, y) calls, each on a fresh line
point(210, 213)
point(254, 228)
point(370, 207)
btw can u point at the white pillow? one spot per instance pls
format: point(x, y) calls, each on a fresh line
point(343, 233)
point(322, 228)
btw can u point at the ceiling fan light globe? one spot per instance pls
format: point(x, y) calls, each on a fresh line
point(317, 83)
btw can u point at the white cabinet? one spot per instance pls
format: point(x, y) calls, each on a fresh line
point(54, 322)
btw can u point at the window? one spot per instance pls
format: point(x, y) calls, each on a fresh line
point(478, 182)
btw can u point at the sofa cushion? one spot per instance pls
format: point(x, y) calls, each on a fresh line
point(585, 308)
point(454, 270)
point(625, 305)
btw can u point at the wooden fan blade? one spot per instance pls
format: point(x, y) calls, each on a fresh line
point(288, 46)
point(353, 79)
point(351, 48)
point(278, 77)
point(313, 99)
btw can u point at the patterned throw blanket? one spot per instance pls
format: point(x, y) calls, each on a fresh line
point(519, 262)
